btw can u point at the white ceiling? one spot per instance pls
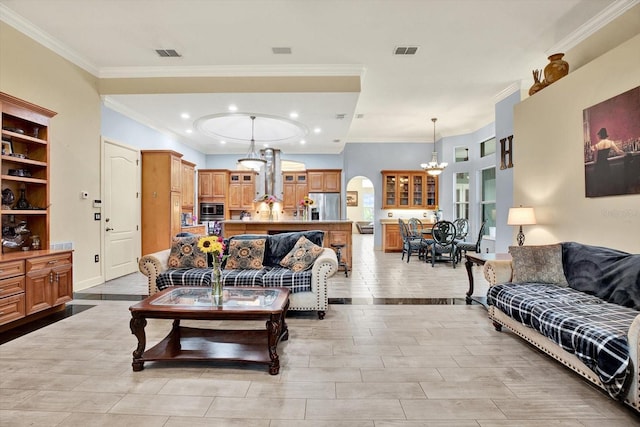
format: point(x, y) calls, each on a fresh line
point(470, 53)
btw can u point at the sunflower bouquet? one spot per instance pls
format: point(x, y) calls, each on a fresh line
point(306, 201)
point(213, 245)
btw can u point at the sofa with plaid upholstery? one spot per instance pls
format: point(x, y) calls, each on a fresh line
point(295, 260)
point(577, 303)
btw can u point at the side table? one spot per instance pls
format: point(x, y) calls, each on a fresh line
point(479, 259)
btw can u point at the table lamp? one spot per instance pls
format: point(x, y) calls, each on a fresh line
point(521, 216)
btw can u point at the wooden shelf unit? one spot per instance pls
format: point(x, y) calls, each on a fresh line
point(33, 283)
point(25, 144)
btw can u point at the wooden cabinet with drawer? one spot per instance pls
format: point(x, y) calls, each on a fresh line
point(48, 281)
point(11, 291)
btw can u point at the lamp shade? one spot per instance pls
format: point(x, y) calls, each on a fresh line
point(521, 216)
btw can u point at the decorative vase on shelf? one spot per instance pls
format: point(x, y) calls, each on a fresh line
point(270, 213)
point(556, 69)
point(304, 214)
point(216, 282)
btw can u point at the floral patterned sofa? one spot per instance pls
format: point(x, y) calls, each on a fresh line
point(579, 304)
point(293, 260)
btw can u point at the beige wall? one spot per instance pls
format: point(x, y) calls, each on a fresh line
point(33, 73)
point(549, 162)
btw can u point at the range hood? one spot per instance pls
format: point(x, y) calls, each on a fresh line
point(270, 176)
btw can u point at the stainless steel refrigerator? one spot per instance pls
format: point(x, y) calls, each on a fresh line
point(327, 206)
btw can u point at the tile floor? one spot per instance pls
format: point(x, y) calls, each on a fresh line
point(400, 349)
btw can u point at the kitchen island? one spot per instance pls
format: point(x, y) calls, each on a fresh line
point(338, 232)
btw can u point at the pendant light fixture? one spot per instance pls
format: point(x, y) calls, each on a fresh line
point(252, 160)
point(434, 168)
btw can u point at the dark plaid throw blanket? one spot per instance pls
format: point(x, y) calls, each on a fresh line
point(267, 277)
point(594, 330)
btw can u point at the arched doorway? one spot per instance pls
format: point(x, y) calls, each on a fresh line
point(360, 198)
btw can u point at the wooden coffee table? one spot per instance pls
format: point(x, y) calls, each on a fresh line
point(194, 303)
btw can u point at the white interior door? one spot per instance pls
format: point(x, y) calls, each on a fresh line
point(121, 209)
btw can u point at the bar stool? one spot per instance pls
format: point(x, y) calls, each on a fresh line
point(338, 248)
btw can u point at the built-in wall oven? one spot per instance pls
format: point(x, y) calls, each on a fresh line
point(211, 212)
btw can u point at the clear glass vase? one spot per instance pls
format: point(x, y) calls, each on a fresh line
point(216, 282)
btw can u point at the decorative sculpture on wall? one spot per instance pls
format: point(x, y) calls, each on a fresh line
point(504, 152)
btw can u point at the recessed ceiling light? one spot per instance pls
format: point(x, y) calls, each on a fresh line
point(293, 115)
point(302, 141)
point(223, 142)
point(233, 107)
point(317, 130)
point(185, 115)
point(189, 130)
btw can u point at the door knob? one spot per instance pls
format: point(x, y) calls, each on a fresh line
point(108, 229)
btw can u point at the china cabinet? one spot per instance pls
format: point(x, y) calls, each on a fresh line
point(409, 190)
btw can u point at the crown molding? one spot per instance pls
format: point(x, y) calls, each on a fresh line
point(509, 90)
point(45, 39)
point(613, 11)
point(233, 71)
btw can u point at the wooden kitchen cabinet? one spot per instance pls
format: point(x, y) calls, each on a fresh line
point(188, 186)
point(294, 188)
point(409, 190)
point(212, 185)
point(48, 281)
point(391, 238)
point(161, 205)
point(242, 190)
point(324, 180)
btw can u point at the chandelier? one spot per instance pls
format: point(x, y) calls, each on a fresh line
point(434, 168)
point(252, 160)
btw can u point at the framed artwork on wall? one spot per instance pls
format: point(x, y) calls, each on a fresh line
point(611, 148)
point(352, 198)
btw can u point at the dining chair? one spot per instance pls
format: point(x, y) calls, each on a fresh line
point(462, 229)
point(410, 244)
point(463, 247)
point(443, 247)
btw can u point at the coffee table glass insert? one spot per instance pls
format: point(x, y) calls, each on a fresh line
point(201, 344)
point(232, 297)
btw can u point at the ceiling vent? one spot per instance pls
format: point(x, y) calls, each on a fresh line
point(281, 50)
point(168, 53)
point(359, 116)
point(336, 141)
point(340, 116)
point(405, 50)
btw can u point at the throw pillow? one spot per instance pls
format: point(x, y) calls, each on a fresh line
point(185, 253)
point(279, 245)
point(245, 254)
point(302, 256)
point(538, 264)
point(607, 273)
